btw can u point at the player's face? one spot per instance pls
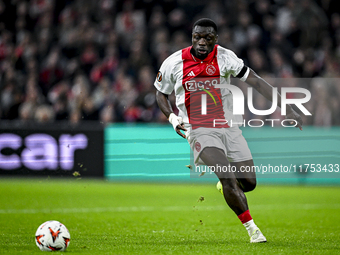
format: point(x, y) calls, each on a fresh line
point(203, 41)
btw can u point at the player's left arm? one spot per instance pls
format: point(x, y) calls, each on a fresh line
point(265, 89)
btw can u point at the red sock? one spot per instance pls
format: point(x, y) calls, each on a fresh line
point(245, 217)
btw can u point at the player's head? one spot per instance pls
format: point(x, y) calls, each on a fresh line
point(204, 37)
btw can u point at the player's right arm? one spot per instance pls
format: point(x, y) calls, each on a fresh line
point(165, 106)
point(165, 83)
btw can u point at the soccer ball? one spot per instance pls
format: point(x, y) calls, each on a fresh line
point(52, 236)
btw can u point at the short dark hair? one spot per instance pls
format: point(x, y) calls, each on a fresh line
point(205, 22)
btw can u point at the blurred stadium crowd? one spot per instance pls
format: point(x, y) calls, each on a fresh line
point(97, 59)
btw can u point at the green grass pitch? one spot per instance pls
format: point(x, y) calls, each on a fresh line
point(148, 218)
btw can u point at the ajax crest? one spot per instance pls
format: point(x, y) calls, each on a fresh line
point(210, 70)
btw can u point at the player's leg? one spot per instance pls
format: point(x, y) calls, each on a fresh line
point(239, 154)
point(210, 149)
point(240, 158)
point(247, 182)
point(245, 174)
point(233, 194)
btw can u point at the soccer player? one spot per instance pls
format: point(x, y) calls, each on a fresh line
point(193, 72)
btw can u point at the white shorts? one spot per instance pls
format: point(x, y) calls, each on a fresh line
point(230, 140)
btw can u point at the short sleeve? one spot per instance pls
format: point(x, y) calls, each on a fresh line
point(164, 81)
point(230, 64)
point(235, 64)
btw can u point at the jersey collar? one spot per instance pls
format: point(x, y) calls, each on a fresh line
point(188, 56)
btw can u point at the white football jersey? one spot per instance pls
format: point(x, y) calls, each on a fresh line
point(194, 82)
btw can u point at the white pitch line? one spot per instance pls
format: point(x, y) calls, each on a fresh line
point(110, 209)
point(167, 208)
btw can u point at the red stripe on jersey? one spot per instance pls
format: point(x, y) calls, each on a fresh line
point(200, 77)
